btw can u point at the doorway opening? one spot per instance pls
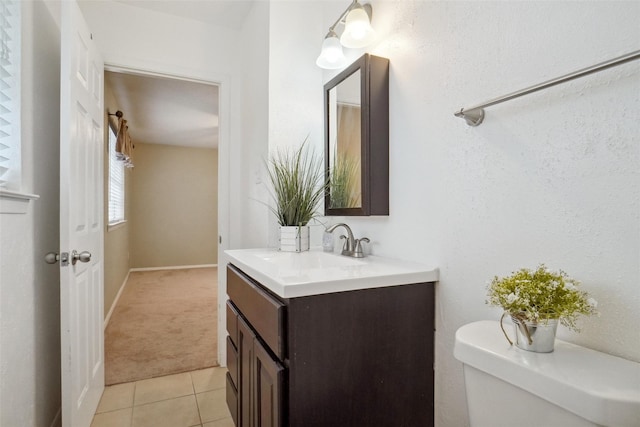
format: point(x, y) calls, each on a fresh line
point(160, 288)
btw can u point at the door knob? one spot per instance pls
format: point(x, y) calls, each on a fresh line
point(83, 256)
point(51, 258)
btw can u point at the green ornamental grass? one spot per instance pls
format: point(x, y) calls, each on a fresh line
point(297, 179)
point(539, 295)
point(342, 182)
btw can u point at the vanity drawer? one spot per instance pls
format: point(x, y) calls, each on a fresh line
point(263, 312)
point(232, 361)
point(232, 323)
point(232, 399)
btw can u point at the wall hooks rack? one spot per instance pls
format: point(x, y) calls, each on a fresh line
point(475, 115)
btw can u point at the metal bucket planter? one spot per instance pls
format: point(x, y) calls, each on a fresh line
point(538, 337)
point(294, 239)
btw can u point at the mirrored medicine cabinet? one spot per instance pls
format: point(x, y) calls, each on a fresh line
point(357, 139)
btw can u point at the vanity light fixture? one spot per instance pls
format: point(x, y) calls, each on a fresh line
point(357, 33)
point(331, 56)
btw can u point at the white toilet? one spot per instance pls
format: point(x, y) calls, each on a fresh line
point(571, 387)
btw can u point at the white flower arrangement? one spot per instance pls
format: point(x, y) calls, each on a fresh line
point(539, 295)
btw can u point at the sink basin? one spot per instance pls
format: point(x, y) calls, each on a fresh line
point(291, 275)
point(307, 260)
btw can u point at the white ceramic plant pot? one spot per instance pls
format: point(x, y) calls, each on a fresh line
point(294, 238)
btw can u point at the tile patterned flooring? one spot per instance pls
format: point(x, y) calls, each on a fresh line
point(190, 399)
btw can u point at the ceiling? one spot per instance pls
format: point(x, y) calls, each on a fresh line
point(166, 111)
point(224, 13)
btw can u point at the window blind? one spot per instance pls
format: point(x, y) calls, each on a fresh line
point(10, 94)
point(116, 183)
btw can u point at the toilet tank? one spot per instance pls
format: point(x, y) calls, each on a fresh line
point(570, 387)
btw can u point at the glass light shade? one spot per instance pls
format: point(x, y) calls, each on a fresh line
point(331, 56)
point(357, 29)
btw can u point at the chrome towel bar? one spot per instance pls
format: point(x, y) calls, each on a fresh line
point(475, 115)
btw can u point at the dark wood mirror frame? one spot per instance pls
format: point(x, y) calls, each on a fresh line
point(374, 94)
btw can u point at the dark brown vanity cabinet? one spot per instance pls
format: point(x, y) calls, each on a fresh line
point(255, 377)
point(361, 358)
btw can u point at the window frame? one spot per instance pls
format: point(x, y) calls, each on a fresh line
point(13, 200)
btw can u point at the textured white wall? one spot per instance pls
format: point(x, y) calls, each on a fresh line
point(249, 228)
point(248, 217)
point(295, 91)
point(30, 288)
point(139, 38)
point(553, 177)
point(293, 48)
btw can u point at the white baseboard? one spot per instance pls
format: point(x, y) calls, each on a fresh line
point(115, 300)
point(173, 267)
point(57, 421)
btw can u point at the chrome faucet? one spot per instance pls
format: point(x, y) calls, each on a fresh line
point(352, 247)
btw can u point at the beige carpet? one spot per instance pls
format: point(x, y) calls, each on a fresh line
point(164, 323)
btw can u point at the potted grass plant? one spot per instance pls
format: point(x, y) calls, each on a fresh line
point(297, 180)
point(537, 300)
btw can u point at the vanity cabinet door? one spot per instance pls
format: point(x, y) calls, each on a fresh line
point(260, 379)
point(232, 399)
point(267, 384)
point(232, 362)
point(245, 360)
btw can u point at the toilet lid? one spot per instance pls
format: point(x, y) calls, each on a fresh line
point(599, 387)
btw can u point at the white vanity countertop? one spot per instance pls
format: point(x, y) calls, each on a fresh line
point(291, 275)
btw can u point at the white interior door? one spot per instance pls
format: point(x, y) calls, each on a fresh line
point(81, 219)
